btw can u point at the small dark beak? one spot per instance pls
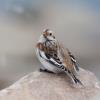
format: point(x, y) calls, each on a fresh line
point(54, 37)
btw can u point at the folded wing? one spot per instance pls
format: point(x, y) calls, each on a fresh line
point(68, 59)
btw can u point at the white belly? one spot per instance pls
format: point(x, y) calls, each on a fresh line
point(47, 65)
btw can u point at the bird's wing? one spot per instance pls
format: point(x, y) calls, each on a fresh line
point(68, 59)
point(56, 61)
point(52, 57)
point(73, 59)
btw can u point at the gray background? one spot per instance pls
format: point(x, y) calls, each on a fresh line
point(76, 24)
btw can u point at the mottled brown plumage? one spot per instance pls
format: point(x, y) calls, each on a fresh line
point(66, 59)
point(52, 48)
point(56, 56)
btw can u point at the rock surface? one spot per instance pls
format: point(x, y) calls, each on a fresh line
point(46, 86)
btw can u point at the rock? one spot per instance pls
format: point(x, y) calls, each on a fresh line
point(46, 86)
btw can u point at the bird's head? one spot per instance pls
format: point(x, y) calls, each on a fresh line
point(48, 34)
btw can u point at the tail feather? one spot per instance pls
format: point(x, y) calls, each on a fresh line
point(73, 77)
point(77, 80)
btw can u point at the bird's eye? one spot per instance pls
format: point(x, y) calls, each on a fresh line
point(50, 34)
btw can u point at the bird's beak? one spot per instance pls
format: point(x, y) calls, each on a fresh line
point(54, 37)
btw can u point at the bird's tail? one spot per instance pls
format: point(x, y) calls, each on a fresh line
point(73, 77)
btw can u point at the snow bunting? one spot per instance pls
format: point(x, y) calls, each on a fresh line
point(54, 57)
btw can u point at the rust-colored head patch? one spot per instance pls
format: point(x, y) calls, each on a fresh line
point(46, 32)
point(40, 46)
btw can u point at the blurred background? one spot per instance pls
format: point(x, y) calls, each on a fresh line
point(76, 24)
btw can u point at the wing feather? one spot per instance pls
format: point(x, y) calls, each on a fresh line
point(68, 58)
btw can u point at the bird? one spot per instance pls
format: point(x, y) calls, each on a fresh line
point(55, 58)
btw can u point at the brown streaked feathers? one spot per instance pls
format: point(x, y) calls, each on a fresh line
point(64, 53)
point(53, 50)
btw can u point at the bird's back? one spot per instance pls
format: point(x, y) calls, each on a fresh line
point(64, 55)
